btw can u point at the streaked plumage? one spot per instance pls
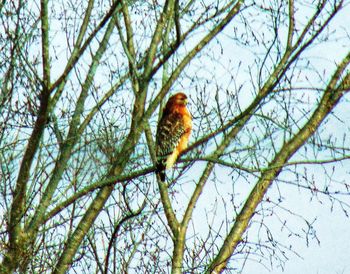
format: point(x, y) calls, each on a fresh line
point(173, 132)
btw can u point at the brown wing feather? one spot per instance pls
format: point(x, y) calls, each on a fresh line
point(169, 132)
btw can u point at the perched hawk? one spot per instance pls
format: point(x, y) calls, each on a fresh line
point(173, 132)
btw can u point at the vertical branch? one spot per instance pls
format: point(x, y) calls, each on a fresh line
point(8, 76)
point(177, 21)
point(291, 24)
point(45, 43)
point(166, 15)
point(163, 188)
point(128, 46)
point(178, 233)
point(17, 238)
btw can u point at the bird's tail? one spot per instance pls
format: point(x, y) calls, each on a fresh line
point(161, 171)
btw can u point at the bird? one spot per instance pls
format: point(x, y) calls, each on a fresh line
point(173, 133)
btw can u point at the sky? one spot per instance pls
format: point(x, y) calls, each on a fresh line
point(329, 256)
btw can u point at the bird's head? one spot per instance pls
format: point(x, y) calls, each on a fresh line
point(176, 103)
point(179, 99)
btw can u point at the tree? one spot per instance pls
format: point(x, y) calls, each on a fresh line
point(82, 83)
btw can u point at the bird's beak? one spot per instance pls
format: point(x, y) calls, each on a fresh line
point(186, 101)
